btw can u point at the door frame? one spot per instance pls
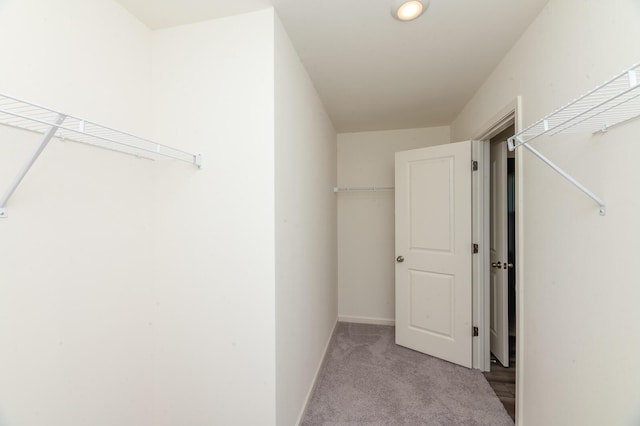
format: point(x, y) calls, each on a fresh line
point(512, 112)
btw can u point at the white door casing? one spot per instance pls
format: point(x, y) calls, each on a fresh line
point(498, 245)
point(434, 249)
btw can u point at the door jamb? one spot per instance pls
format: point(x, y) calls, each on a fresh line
point(481, 359)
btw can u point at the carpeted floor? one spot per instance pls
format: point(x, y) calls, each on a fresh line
point(368, 380)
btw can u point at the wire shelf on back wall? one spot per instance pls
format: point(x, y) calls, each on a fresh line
point(28, 116)
point(363, 189)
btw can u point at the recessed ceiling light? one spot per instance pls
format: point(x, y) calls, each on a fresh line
point(408, 10)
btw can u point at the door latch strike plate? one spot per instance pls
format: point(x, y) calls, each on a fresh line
point(476, 332)
point(475, 249)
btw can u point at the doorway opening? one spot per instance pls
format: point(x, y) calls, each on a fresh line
point(502, 232)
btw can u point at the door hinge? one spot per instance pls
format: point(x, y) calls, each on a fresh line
point(475, 332)
point(474, 166)
point(475, 249)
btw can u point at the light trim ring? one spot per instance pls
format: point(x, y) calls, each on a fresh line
point(408, 10)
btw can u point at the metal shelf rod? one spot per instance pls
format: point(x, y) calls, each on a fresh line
point(619, 123)
point(128, 145)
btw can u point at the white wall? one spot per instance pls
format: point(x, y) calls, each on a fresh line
point(579, 318)
point(366, 221)
point(88, 58)
point(213, 92)
point(75, 264)
point(145, 293)
point(306, 276)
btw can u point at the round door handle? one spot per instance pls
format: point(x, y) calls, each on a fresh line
point(508, 265)
point(496, 265)
point(399, 259)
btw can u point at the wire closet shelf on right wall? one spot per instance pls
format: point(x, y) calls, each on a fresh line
point(615, 102)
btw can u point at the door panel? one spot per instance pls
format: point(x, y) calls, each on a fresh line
point(433, 245)
point(431, 293)
point(430, 208)
point(499, 319)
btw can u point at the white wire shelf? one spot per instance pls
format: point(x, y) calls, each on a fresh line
point(364, 189)
point(28, 116)
point(615, 102)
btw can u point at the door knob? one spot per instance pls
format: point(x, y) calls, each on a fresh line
point(399, 259)
point(508, 265)
point(496, 265)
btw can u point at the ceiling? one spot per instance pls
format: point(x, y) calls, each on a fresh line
point(374, 72)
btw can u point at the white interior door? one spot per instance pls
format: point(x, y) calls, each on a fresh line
point(499, 275)
point(434, 249)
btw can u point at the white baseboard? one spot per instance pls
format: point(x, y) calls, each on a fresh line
point(366, 320)
point(315, 375)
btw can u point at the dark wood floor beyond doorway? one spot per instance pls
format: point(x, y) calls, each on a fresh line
point(503, 380)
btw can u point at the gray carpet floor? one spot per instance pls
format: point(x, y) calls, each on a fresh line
point(366, 379)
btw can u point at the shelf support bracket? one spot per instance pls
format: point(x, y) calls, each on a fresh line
point(581, 187)
point(4, 213)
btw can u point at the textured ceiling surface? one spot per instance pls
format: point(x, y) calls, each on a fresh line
point(374, 72)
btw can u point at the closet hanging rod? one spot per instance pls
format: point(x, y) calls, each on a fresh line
point(364, 189)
